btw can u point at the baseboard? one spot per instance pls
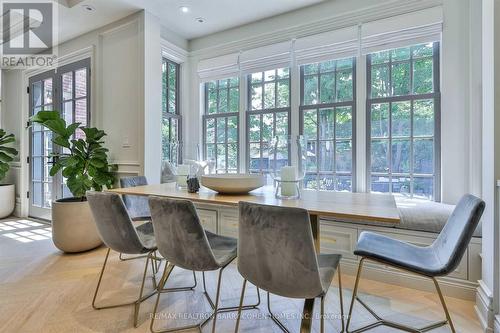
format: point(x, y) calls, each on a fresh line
point(17, 209)
point(497, 324)
point(484, 308)
point(451, 287)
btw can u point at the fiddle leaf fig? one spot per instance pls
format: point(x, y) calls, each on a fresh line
point(6, 153)
point(82, 160)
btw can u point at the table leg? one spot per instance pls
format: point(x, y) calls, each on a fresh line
point(307, 313)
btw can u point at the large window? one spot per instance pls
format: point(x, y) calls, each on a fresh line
point(268, 114)
point(326, 120)
point(220, 124)
point(403, 103)
point(170, 107)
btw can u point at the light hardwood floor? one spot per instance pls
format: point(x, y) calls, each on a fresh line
point(43, 290)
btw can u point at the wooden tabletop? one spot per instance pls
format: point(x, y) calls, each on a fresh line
point(341, 205)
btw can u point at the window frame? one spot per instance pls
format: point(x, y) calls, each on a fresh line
point(435, 96)
point(167, 116)
point(207, 116)
point(333, 105)
point(261, 112)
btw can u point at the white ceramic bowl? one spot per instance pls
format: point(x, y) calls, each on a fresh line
point(233, 183)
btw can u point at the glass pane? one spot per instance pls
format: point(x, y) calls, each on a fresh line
point(257, 77)
point(344, 63)
point(380, 156)
point(47, 91)
point(423, 188)
point(380, 81)
point(344, 122)
point(269, 96)
point(311, 69)
point(37, 168)
point(423, 117)
point(67, 85)
point(47, 143)
point(423, 76)
point(232, 129)
point(327, 182)
point(221, 157)
point(68, 112)
point(37, 144)
point(312, 160)
point(255, 162)
point(232, 153)
point(380, 184)
point(223, 84)
point(37, 194)
point(327, 88)
point(47, 195)
point(423, 50)
point(327, 66)
point(210, 131)
point(283, 94)
point(46, 168)
point(254, 128)
point(81, 83)
point(310, 124)
point(221, 130)
point(380, 57)
point(171, 101)
point(267, 127)
point(165, 137)
point(174, 129)
point(326, 124)
point(344, 86)
point(423, 156)
point(283, 73)
point(281, 123)
point(380, 120)
point(212, 101)
point(256, 97)
point(326, 156)
point(172, 75)
point(37, 93)
point(310, 181)
point(234, 82)
point(401, 185)
point(81, 115)
point(270, 75)
point(400, 54)
point(310, 90)
point(234, 99)
point(401, 156)
point(344, 183)
point(223, 101)
point(401, 119)
point(210, 152)
point(401, 79)
point(343, 156)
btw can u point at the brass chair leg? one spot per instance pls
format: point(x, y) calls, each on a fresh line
point(341, 299)
point(238, 316)
point(273, 316)
point(136, 303)
point(383, 322)
point(322, 315)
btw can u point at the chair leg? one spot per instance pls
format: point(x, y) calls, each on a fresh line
point(443, 303)
point(238, 316)
point(273, 316)
point(217, 295)
point(136, 303)
point(341, 299)
point(322, 315)
point(354, 293)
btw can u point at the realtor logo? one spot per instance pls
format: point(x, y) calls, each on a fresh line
point(28, 33)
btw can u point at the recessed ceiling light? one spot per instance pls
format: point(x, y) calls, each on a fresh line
point(184, 9)
point(200, 19)
point(88, 8)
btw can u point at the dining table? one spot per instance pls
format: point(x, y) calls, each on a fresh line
point(350, 207)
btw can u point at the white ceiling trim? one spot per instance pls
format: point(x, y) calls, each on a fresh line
point(173, 52)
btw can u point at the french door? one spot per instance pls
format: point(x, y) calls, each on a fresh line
point(66, 89)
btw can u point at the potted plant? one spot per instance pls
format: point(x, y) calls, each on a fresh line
point(83, 161)
point(7, 191)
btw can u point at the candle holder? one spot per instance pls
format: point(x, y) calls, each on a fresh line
point(287, 156)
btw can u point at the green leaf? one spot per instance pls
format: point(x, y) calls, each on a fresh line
point(7, 139)
point(9, 150)
point(61, 141)
point(97, 163)
point(5, 158)
point(55, 169)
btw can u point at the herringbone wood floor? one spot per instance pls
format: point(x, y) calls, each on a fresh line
point(43, 290)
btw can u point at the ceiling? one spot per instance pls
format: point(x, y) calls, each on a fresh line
point(218, 15)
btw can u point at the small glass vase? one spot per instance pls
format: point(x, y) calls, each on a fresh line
point(287, 156)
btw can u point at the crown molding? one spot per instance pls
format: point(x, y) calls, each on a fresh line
point(346, 19)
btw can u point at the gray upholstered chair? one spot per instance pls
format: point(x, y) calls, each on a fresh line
point(276, 253)
point(438, 259)
point(137, 205)
point(183, 242)
point(119, 234)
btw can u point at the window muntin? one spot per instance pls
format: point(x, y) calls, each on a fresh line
point(268, 114)
point(327, 121)
point(403, 129)
point(171, 117)
point(220, 124)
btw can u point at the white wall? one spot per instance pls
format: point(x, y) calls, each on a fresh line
point(460, 101)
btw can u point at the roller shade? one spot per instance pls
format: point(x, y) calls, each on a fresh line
point(404, 30)
point(218, 67)
point(266, 57)
point(335, 44)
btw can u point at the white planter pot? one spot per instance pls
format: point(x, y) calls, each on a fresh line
point(7, 200)
point(73, 227)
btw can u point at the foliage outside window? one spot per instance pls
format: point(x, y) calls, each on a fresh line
point(268, 114)
point(220, 124)
point(326, 118)
point(403, 106)
point(170, 106)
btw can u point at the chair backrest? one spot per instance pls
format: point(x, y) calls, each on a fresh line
point(179, 235)
point(137, 205)
point(453, 240)
point(113, 222)
point(276, 250)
